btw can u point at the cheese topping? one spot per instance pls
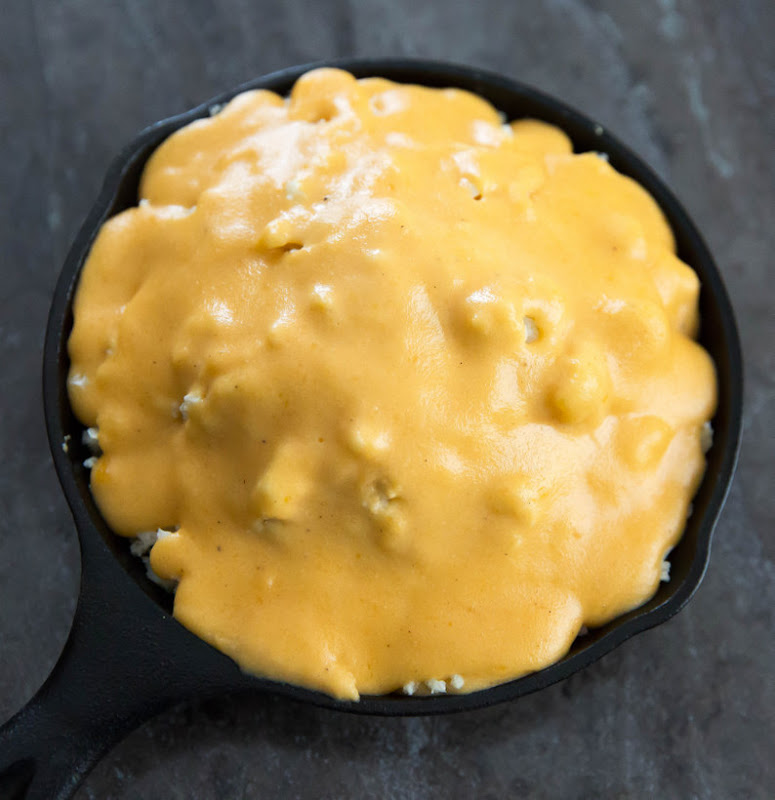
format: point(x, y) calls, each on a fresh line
point(412, 393)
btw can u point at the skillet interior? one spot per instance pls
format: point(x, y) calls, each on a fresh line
point(129, 582)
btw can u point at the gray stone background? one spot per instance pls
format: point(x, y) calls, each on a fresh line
point(686, 710)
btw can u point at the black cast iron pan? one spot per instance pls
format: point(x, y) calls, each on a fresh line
point(127, 658)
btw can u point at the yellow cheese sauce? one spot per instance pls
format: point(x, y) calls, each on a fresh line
point(414, 391)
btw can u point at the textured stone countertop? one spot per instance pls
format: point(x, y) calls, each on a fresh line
point(685, 710)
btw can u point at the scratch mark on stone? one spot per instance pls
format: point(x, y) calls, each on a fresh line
point(671, 24)
point(756, 407)
point(54, 216)
point(700, 112)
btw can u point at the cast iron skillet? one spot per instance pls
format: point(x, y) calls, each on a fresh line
point(126, 657)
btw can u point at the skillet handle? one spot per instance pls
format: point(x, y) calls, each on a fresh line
point(121, 665)
point(50, 745)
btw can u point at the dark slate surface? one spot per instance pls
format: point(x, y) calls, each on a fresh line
point(686, 710)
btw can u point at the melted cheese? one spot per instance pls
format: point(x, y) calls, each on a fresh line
point(416, 390)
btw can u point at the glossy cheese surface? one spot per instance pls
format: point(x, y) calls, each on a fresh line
point(414, 391)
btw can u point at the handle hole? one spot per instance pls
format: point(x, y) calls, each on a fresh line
point(15, 781)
